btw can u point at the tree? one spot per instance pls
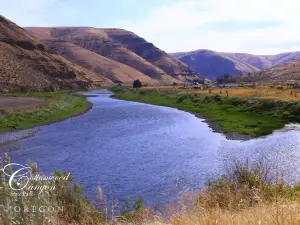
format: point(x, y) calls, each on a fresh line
point(137, 84)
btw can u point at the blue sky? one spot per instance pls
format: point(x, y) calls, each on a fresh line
point(98, 13)
point(257, 26)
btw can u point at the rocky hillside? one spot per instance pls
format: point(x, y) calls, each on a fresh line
point(27, 64)
point(214, 64)
point(115, 45)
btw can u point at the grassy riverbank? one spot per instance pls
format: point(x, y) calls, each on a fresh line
point(56, 106)
point(230, 115)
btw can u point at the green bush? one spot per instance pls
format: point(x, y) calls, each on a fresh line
point(286, 114)
point(182, 98)
point(217, 98)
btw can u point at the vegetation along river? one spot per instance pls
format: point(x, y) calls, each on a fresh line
point(134, 149)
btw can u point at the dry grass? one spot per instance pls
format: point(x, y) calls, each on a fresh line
point(260, 92)
point(10, 104)
point(264, 214)
point(268, 93)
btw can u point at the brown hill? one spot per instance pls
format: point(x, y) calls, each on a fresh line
point(148, 51)
point(115, 71)
point(25, 63)
point(214, 64)
point(104, 42)
point(283, 58)
point(281, 73)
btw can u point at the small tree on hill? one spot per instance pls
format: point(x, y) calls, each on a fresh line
point(137, 84)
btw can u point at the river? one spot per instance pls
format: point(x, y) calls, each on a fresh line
point(134, 149)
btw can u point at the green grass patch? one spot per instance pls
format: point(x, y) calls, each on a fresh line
point(58, 106)
point(253, 117)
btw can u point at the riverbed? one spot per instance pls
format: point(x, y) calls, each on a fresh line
point(133, 149)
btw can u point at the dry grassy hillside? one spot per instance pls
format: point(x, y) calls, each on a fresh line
point(152, 54)
point(283, 58)
point(214, 64)
point(257, 62)
point(25, 63)
point(115, 71)
point(263, 62)
point(282, 73)
point(98, 41)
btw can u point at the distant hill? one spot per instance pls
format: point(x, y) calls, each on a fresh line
point(214, 64)
point(26, 63)
point(281, 73)
point(120, 49)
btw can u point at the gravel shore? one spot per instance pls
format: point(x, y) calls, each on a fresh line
point(12, 136)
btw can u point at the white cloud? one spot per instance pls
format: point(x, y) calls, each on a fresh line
point(182, 26)
point(27, 12)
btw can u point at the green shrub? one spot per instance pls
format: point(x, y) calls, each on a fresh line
point(265, 104)
point(182, 98)
point(217, 98)
point(286, 114)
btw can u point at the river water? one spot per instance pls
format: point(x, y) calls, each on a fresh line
point(134, 149)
